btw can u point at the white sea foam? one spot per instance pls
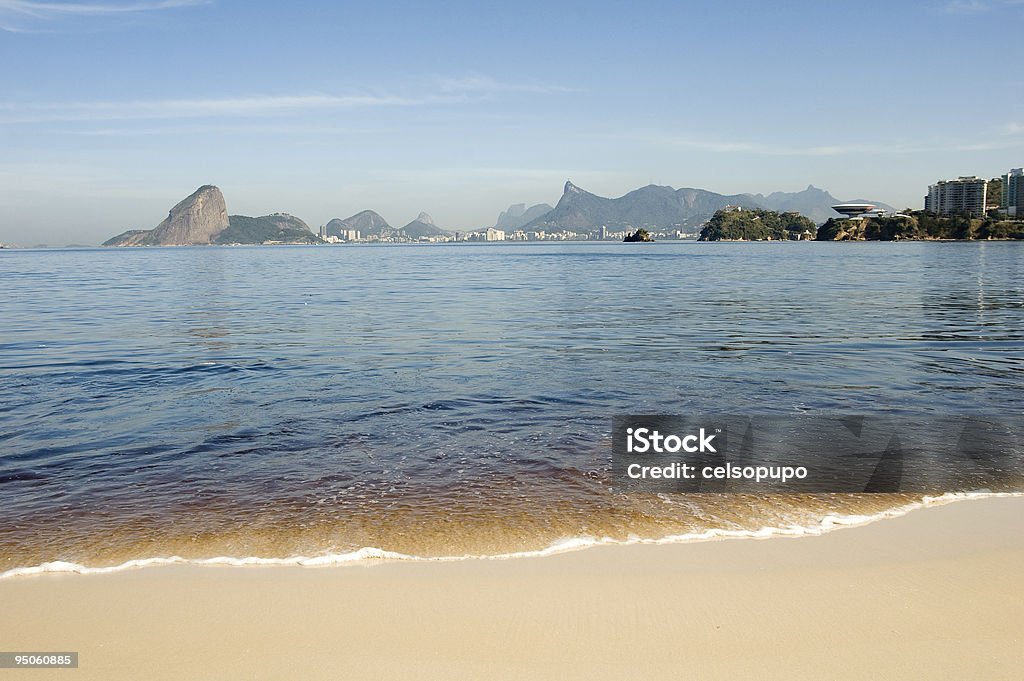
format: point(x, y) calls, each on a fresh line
point(828, 523)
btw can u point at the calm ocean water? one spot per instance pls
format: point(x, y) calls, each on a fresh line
point(451, 400)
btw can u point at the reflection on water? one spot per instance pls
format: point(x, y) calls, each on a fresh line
point(449, 399)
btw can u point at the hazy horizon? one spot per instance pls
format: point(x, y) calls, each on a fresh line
point(112, 112)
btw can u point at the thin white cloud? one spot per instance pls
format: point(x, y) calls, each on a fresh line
point(758, 148)
point(192, 108)
point(763, 149)
point(977, 6)
point(26, 16)
point(441, 91)
point(486, 175)
point(476, 83)
point(41, 10)
point(228, 128)
point(15, 29)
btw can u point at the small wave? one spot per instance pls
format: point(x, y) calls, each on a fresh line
point(827, 524)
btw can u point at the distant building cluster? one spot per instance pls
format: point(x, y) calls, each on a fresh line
point(564, 235)
point(602, 233)
point(343, 236)
point(969, 195)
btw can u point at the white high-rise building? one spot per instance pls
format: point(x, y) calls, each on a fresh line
point(1012, 203)
point(965, 194)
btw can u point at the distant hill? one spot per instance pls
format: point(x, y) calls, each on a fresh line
point(422, 226)
point(812, 202)
point(279, 227)
point(651, 206)
point(757, 225)
point(518, 215)
point(367, 223)
point(661, 207)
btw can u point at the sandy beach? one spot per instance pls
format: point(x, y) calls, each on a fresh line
point(937, 594)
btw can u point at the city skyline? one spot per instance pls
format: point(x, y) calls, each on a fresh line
point(111, 111)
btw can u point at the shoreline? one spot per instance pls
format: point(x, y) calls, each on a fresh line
point(372, 555)
point(937, 593)
point(508, 243)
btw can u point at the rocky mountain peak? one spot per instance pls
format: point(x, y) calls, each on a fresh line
point(196, 219)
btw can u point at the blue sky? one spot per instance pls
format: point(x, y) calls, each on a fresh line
point(111, 111)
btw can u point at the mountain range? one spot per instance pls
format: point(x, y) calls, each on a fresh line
point(661, 207)
point(202, 217)
point(370, 223)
